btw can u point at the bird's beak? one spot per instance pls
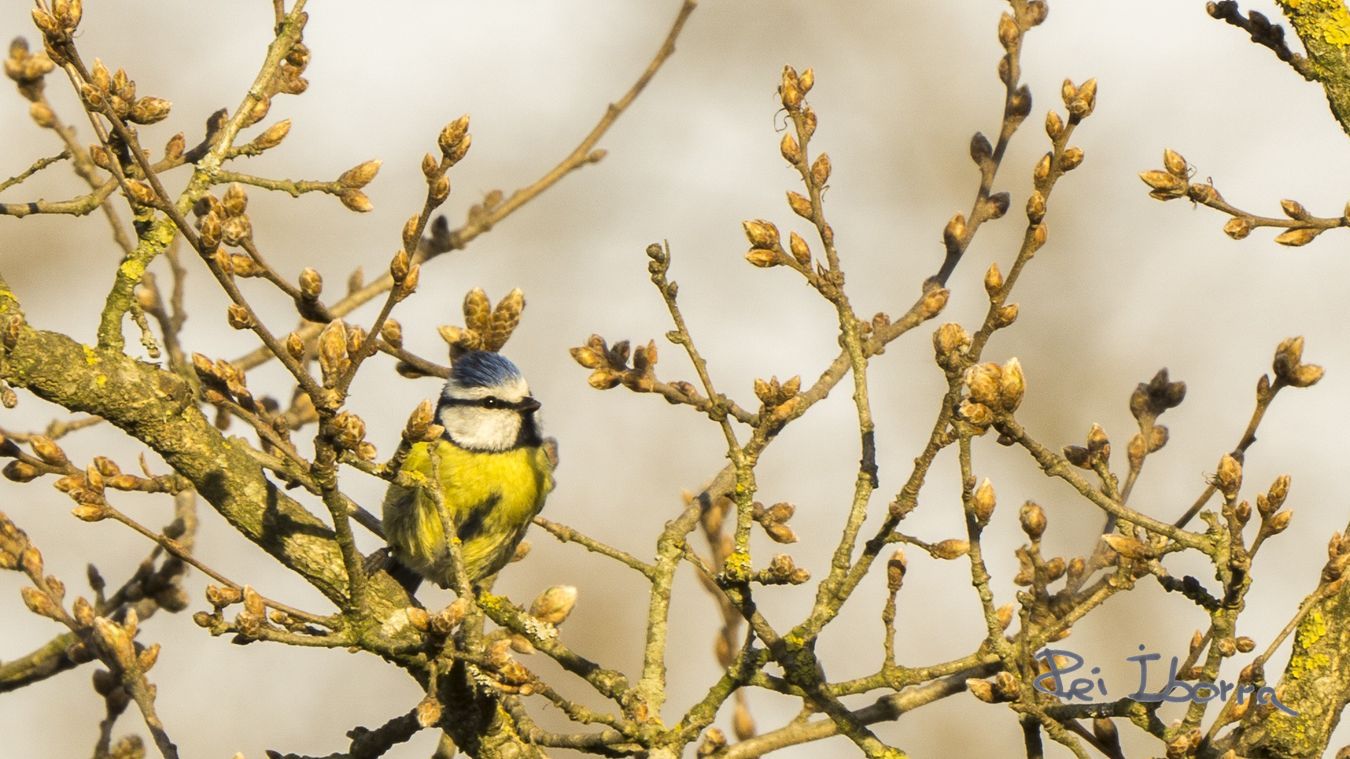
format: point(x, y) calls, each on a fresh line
point(529, 404)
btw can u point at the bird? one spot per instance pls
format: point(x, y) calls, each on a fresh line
point(492, 469)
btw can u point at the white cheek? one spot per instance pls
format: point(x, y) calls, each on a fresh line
point(481, 429)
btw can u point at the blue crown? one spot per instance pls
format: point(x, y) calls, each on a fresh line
point(482, 369)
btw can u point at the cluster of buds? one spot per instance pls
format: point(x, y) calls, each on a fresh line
point(1029, 562)
point(766, 248)
point(1289, 367)
point(48, 457)
point(443, 622)
point(290, 78)
point(782, 571)
point(951, 341)
point(454, 141)
point(86, 488)
point(1172, 180)
point(27, 70)
point(1338, 558)
point(502, 672)
point(58, 25)
point(222, 380)
point(350, 183)
point(609, 364)
point(348, 433)
point(225, 219)
point(15, 550)
point(992, 390)
point(779, 400)
point(405, 274)
point(487, 328)
point(1096, 453)
point(421, 426)
point(1003, 688)
point(792, 90)
point(1273, 519)
point(249, 623)
point(1080, 100)
point(117, 92)
point(774, 520)
point(1148, 402)
point(1298, 235)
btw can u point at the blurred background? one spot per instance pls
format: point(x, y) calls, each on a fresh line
point(1126, 285)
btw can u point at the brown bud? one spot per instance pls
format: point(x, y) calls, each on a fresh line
point(357, 201)
point(761, 233)
point(954, 234)
point(980, 149)
point(1175, 164)
point(820, 170)
point(1127, 547)
point(460, 150)
point(1042, 171)
point(982, 690)
point(984, 382)
point(895, 570)
point(1036, 207)
point(1008, 32)
point(1296, 237)
point(149, 110)
point(47, 450)
point(982, 503)
point(801, 252)
point(273, 135)
point(1165, 186)
point(792, 152)
point(1277, 523)
point(554, 604)
point(1238, 227)
point(239, 316)
point(1054, 126)
point(951, 548)
point(762, 257)
point(934, 300)
point(800, 204)
point(359, 176)
point(1032, 517)
point(1070, 159)
point(311, 283)
point(1228, 478)
point(950, 338)
point(453, 134)
point(140, 192)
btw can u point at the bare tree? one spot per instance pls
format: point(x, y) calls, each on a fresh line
point(285, 486)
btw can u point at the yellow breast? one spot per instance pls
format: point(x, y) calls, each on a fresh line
point(489, 499)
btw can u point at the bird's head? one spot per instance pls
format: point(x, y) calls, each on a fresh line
point(486, 405)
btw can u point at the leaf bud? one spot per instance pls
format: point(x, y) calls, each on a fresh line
point(982, 503)
point(1032, 517)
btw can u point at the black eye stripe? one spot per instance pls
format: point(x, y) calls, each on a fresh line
point(491, 402)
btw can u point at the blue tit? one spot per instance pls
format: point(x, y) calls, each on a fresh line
point(490, 467)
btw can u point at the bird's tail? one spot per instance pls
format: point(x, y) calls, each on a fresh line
point(384, 560)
